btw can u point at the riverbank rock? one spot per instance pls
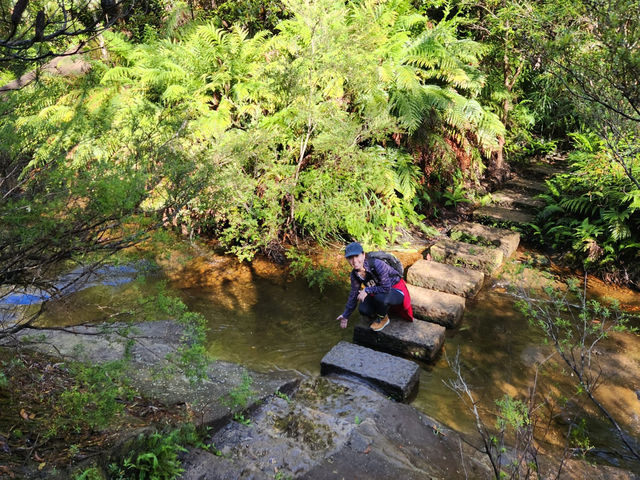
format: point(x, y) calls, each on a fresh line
point(445, 278)
point(437, 307)
point(505, 240)
point(335, 429)
point(467, 255)
point(394, 376)
point(418, 339)
point(153, 375)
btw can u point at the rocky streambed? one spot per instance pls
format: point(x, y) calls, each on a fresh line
point(291, 426)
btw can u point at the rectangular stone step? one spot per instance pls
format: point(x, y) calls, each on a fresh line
point(445, 278)
point(467, 255)
point(507, 216)
point(395, 376)
point(544, 170)
point(437, 307)
point(527, 185)
point(417, 339)
point(505, 240)
point(508, 197)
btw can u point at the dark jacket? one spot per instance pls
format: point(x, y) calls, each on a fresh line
point(378, 281)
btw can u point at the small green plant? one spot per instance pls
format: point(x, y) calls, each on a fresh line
point(91, 473)
point(282, 476)
point(357, 420)
point(240, 396)
point(283, 396)
point(155, 456)
point(240, 418)
point(95, 398)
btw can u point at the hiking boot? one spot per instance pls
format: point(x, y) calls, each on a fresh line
point(380, 324)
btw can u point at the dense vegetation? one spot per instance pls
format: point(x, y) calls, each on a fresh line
point(263, 123)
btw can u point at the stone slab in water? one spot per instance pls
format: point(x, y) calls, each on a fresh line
point(505, 240)
point(509, 197)
point(526, 185)
point(467, 255)
point(417, 339)
point(395, 376)
point(509, 216)
point(445, 278)
point(437, 307)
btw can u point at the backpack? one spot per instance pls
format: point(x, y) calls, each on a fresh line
point(387, 258)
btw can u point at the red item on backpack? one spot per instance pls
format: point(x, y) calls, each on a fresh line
point(405, 310)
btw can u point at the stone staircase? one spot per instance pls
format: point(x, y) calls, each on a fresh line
point(439, 288)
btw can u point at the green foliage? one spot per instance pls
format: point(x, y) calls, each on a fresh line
point(255, 15)
point(594, 211)
point(152, 457)
point(191, 358)
point(94, 400)
point(315, 275)
point(240, 396)
point(283, 396)
point(259, 137)
point(513, 413)
point(91, 473)
point(579, 437)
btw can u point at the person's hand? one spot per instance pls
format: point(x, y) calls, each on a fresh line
point(362, 295)
point(343, 321)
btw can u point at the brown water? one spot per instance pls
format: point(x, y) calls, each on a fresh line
point(266, 322)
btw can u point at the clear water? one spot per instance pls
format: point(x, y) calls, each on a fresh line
point(273, 324)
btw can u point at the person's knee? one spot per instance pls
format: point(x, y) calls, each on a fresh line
point(365, 310)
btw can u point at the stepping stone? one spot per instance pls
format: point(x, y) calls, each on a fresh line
point(509, 197)
point(503, 215)
point(467, 255)
point(437, 307)
point(395, 376)
point(445, 278)
point(417, 339)
point(505, 240)
point(533, 186)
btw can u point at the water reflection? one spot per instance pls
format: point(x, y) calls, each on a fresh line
point(267, 322)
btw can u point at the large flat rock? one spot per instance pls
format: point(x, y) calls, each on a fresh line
point(395, 376)
point(437, 307)
point(507, 216)
point(462, 254)
point(445, 278)
point(418, 339)
point(505, 240)
point(511, 198)
point(334, 428)
point(151, 372)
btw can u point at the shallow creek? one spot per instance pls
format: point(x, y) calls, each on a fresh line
point(267, 322)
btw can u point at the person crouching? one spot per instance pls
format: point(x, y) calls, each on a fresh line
point(378, 287)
